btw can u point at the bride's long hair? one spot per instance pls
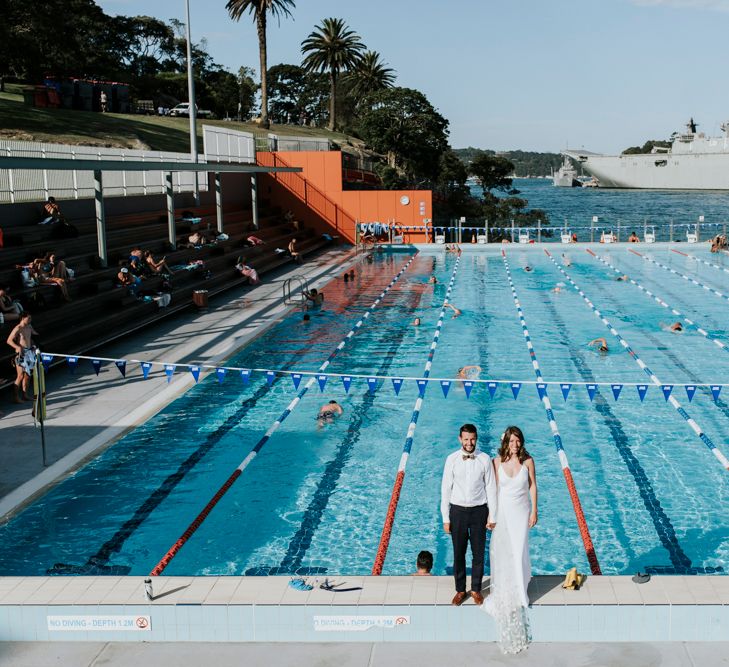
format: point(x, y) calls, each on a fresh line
point(522, 454)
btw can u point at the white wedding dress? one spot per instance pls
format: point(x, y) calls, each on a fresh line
point(510, 564)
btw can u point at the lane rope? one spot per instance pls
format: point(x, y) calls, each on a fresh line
point(400, 477)
point(654, 379)
point(542, 388)
point(175, 548)
point(703, 261)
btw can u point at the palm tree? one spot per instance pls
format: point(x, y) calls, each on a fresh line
point(333, 48)
point(259, 9)
point(370, 75)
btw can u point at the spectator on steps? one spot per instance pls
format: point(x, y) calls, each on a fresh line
point(42, 271)
point(58, 267)
point(196, 239)
point(126, 279)
point(52, 212)
point(293, 252)
point(21, 340)
point(157, 267)
point(9, 309)
point(247, 272)
point(254, 241)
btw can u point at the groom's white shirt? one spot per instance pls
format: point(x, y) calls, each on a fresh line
point(468, 483)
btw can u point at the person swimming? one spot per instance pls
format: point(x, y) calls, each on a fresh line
point(469, 372)
point(676, 327)
point(416, 322)
point(528, 268)
point(327, 413)
point(432, 280)
point(622, 278)
point(567, 261)
point(600, 344)
point(456, 311)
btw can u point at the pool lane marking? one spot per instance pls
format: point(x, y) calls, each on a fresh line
point(658, 299)
point(172, 552)
point(574, 496)
point(654, 379)
point(698, 283)
point(703, 261)
point(400, 477)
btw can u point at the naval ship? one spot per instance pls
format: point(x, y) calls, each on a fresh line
point(693, 162)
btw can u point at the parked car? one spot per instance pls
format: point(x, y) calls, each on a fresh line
point(183, 109)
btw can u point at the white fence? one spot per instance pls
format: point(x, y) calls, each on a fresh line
point(226, 145)
point(276, 142)
point(37, 184)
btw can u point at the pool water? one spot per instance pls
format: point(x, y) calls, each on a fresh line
point(315, 499)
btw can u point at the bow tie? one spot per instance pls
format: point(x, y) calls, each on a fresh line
point(468, 456)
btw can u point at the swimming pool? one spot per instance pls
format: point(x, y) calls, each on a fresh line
point(315, 500)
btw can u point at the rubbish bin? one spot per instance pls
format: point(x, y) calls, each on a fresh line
point(200, 298)
point(29, 96)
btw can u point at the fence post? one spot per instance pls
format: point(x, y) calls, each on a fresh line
point(670, 231)
point(254, 199)
point(539, 231)
point(592, 228)
point(617, 237)
point(45, 176)
point(487, 229)
point(698, 228)
point(219, 200)
point(100, 216)
point(512, 230)
point(170, 195)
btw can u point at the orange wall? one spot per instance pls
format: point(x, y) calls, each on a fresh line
point(324, 170)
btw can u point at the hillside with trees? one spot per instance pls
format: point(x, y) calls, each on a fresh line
point(526, 163)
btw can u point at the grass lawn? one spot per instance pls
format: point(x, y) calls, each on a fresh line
point(161, 133)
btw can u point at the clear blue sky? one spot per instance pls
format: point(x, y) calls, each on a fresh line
point(515, 74)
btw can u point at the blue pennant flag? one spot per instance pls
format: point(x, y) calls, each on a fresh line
point(121, 364)
point(372, 384)
point(347, 382)
point(422, 384)
point(715, 391)
point(492, 388)
point(667, 389)
point(322, 379)
point(72, 363)
point(565, 387)
point(96, 363)
point(591, 391)
point(541, 390)
point(195, 370)
point(515, 387)
point(642, 389)
point(46, 359)
point(296, 379)
point(445, 385)
point(690, 391)
point(397, 385)
point(146, 367)
point(245, 375)
point(617, 388)
point(468, 388)
point(220, 372)
point(169, 371)
point(270, 377)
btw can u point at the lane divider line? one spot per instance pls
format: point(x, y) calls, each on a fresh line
point(400, 477)
point(542, 389)
point(703, 261)
point(175, 548)
point(654, 379)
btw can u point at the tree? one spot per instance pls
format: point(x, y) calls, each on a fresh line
point(492, 172)
point(259, 9)
point(149, 42)
point(401, 123)
point(370, 75)
point(295, 94)
point(247, 88)
point(332, 48)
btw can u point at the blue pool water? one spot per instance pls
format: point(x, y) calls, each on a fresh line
point(314, 500)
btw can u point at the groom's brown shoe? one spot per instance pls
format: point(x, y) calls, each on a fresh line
point(477, 597)
point(459, 598)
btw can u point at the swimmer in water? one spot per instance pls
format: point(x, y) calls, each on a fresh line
point(599, 343)
point(557, 289)
point(527, 268)
point(469, 372)
point(416, 322)
point(327, 413)
point(676, 327)
point(456, 311)
point(622, 278)
point(432, 280)
point(567, 261)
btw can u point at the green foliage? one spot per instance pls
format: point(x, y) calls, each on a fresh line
point(247, 88)
point(526, 163)
point(369, 75)
point(297, 95)
point(647, 147)
point(493, 172)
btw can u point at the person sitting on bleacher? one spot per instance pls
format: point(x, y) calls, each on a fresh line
point(52, 212)
point(293, 252)
point(58, 267)
point(157, 267)
point(42, 272)
point(247, 272)
point(197, 239)
point(10, 310)
point(126, 279)
point(254, 241)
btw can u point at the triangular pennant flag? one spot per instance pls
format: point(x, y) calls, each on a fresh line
point(372, 384)
point(468, 387)
point(591, 391)
point(397, 385)
point(296, 379)
point(617, 388)
point(146, 367)
point(220, 372)
point(565, 387)
point(422, 384)
point(492, 388)
point(195, 370)
point(541, 389)
point(690, 391)
point(322, 379)
point(715, 391)
point(445, 385)
point(270, 377)
point(121, 364)
point(515, 387)
point(72, 363)
point(46, 359)
point(96, 363)
point(642, 389)
point(347, 382)
point(667, 389)
point(245, 375)
point(169, 371)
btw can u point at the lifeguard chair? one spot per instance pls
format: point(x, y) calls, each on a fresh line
point(524, 236)
point(440, 238)
point(692, 237)
point(566, 237)
point(607, 236)
point(649, 236)
point(482, 239)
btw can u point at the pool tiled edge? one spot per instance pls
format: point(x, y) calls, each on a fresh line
point(375, 609)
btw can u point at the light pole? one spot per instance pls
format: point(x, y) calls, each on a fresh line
point(193, 105)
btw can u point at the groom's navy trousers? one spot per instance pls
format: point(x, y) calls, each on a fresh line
point(468, 524)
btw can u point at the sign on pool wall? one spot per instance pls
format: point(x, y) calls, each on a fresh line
point(99, 623)
point(357, 623)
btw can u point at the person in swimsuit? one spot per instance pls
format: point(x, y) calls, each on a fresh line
point(328, 412)
point(599, 343)
point(21, 340)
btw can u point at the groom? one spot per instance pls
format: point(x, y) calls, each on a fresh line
point(468, 506)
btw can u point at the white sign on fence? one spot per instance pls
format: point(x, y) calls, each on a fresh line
point(99, 623)
point(357, 623)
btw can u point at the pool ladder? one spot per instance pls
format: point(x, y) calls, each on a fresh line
point(290, 288)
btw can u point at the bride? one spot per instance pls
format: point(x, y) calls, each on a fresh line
point(509, 549)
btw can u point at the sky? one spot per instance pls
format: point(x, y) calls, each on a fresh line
point(514, 74)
